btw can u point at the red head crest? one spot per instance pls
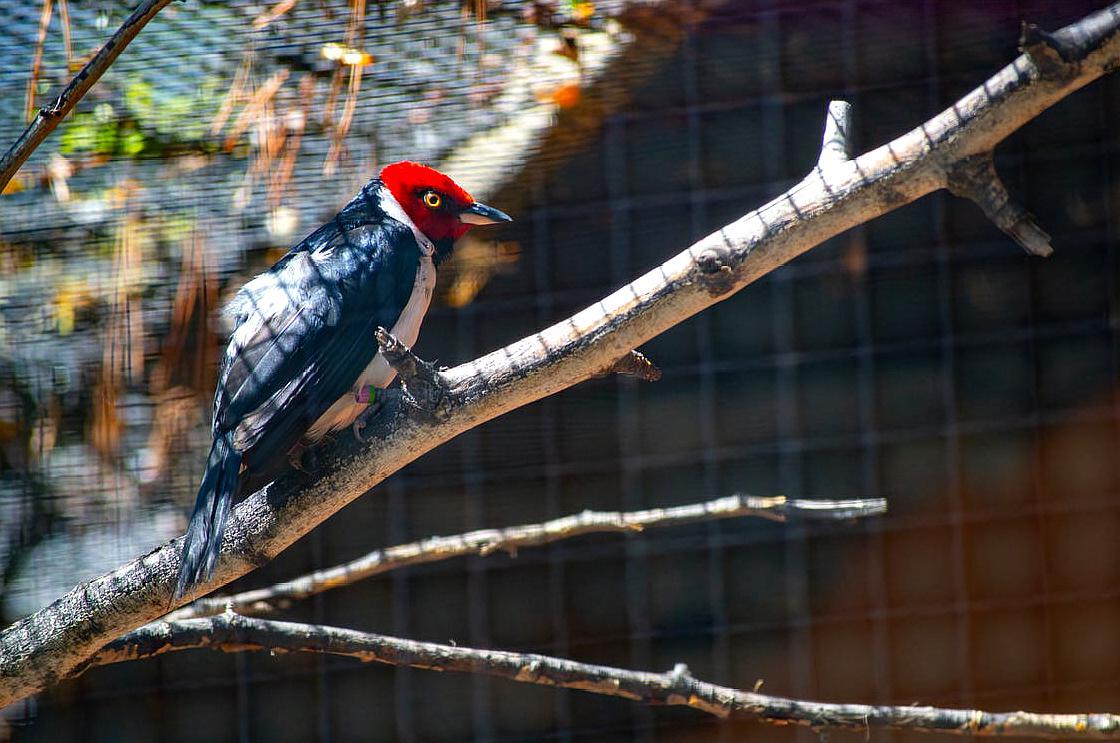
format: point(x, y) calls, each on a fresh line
point(437, 205)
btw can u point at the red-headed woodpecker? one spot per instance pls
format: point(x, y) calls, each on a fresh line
point(302, 355)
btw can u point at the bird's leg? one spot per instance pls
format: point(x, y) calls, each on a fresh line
point(295, 457)
point(304, 457)
point(370, 396)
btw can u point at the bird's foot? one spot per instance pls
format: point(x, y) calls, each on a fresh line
point(303, 458)
point(373, 397)
point(295, 457)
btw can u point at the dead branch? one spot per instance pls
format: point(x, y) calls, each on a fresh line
point(832, 198)
point(510, 539)
point(231, 632)
point(50, 116)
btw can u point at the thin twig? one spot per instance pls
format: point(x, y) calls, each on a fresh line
point(354, 37)
point(231, 632)
point(256, 103)
point(513, 538)
point(49, 117)
point(273, 13)
point(37, 59)
point(67, 45)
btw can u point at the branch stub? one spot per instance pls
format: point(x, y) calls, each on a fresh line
point(425, 388)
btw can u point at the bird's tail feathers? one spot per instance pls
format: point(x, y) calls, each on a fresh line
point(208, 521)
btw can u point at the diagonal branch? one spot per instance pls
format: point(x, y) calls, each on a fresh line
point(829, 200)
point(50, 116)
point(231, 632)
point(512, 538)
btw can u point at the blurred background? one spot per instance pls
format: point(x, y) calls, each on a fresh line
point(923, 357)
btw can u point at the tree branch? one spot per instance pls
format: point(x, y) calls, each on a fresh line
point(51, 116)
point(975, 178)
point(231, 632)
point(829, 200)
point(836, 147)
point(512, 538)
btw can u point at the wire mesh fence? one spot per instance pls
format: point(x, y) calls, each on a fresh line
point(922, 358)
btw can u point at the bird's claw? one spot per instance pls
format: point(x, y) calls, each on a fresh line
point(301, 453)
point(373, 397)
point(295, 458)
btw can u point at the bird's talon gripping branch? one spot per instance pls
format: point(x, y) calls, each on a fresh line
point(374, 399)
point(304, 458)
point(295, 458)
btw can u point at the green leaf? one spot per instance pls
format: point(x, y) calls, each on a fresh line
point(79, 134)
point(131, 141)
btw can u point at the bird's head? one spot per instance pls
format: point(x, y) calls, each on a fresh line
point(437, 205)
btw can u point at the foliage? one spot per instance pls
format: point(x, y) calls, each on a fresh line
point(141, 120)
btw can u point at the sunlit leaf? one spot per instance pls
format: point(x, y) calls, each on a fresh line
point(15, 185)
point(131, 141)
point(138, 98)
point(79, 134)
point(582, 11)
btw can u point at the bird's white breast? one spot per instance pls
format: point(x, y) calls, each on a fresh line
point(407, 329)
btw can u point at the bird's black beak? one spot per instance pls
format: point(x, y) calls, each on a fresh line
point(481, 214)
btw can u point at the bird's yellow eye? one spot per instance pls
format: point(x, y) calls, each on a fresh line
point(432, 200)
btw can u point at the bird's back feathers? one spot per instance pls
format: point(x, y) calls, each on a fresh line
point(303, 333)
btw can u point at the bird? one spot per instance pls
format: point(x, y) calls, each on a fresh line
point(302, 358)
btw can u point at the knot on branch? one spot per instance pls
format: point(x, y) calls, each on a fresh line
point(424, 386)
point(633, 364)
point(975, 178)
point(1055, 59)
point(715, 264)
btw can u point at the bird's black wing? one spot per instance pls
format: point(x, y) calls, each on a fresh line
point(306, 330)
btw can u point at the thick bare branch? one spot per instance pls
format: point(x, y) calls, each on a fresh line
point(50, 116)
point(512, 538)
point(232, 632)
point(828, 201)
